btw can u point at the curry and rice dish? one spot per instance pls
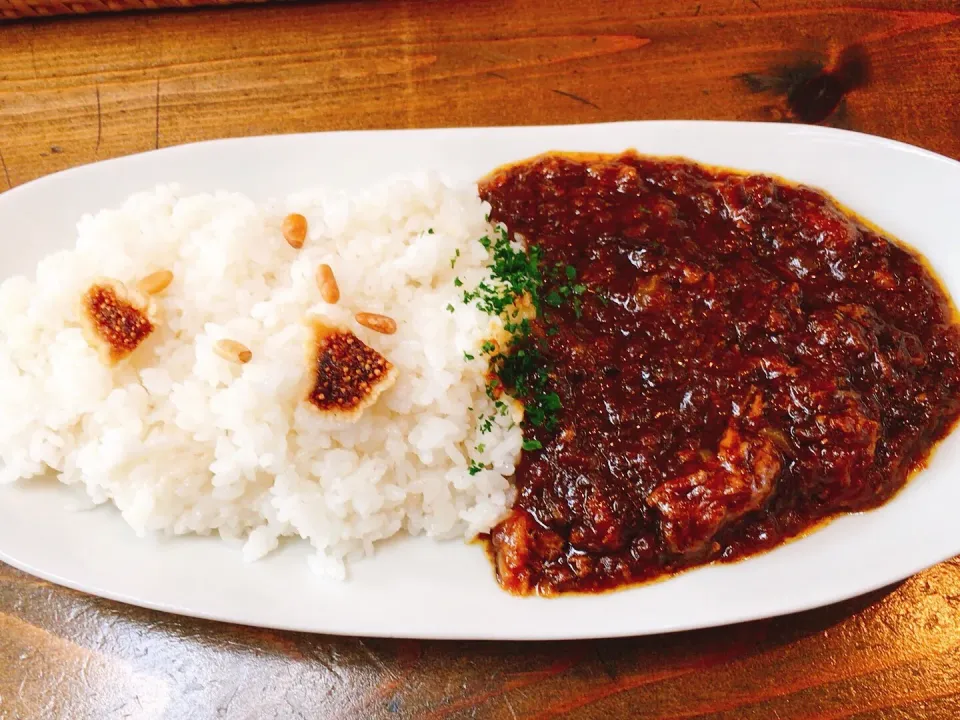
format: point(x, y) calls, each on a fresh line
point(611, 368)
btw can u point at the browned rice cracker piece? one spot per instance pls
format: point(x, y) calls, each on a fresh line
point(346, 375)
point(115, 319)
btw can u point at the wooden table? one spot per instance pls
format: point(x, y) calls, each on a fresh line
point(73, 91)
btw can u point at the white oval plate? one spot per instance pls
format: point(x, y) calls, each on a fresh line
point(418, 588)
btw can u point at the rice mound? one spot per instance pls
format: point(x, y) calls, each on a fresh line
point(184, 441)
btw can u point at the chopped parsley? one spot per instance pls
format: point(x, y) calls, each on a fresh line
point(519, 283)
point(554, 298)
point(516, 285)
point(515, 274)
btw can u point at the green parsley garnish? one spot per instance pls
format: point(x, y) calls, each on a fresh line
point(515, 273)
point(520, 365)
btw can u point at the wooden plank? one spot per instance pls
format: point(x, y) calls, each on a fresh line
point(893, 653)
point(73, 91)
point(76, 90)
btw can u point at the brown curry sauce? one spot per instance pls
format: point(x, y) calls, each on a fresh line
point(749, 360)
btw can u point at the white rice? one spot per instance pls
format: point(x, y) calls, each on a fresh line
point(183, 441)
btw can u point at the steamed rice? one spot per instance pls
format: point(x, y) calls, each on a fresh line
point(183, 441)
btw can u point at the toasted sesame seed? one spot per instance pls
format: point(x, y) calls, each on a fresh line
point(379, 323)
point(329, 290)
point(294, 229)
point(155, 282)
point(233, 351)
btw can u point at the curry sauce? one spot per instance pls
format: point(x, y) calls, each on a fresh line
point(747, 360)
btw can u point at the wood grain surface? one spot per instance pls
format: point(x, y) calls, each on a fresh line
point(77, 90)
